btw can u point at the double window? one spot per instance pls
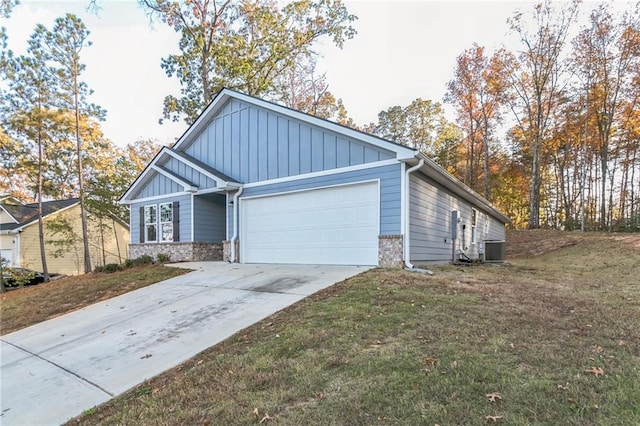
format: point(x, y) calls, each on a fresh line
point(158, 222)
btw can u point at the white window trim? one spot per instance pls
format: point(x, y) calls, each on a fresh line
point(474, 226)
point(147, 224)
point(160, 222)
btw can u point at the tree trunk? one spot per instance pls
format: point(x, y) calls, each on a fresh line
point(43, 254)
point(83, 211)
point(534, 202)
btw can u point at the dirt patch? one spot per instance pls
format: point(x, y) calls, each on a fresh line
point(631, 239)
point(530, 243)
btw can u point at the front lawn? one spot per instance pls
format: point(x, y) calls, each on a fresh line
point(21, 308)
point(551, 339)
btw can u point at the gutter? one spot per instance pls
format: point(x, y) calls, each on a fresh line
point(407, 249)
point(236, 196)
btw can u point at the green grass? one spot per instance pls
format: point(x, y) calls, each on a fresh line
point(21, 308)
point(392, 347)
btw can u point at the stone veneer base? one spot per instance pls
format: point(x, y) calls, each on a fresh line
point(179, 251)
point(226, 251)
point(390, 251)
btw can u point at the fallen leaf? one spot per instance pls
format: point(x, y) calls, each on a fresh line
point(146, 356)
point(256, 413)
point(622, 343)
point(494, 397)
point(492, 418)
point(596, 371)
point(564, 387)
point(199, 362)
point(430, 361)
point(597, 349)
point(427, 371)
point(265, 418)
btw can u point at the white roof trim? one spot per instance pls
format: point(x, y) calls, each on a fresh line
point(177, 156)
point(20, 228)
point(434, 171)
point(153, 166)
point(9, 214)
point(221, 98)
point(188, 186)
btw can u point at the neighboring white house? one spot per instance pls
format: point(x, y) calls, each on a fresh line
point(256, 182)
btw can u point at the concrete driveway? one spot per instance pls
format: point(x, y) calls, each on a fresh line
point(55, 370)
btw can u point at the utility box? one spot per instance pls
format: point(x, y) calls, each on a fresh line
point(494, 251)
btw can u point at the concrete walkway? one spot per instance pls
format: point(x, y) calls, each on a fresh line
point(55, 370)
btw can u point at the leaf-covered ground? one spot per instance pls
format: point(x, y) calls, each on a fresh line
point(552, 338)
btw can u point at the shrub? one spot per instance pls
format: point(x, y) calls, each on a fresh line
point(142, 260)
point(128, 263)
point(111, 268)
point(98, 269)
point(163, 258)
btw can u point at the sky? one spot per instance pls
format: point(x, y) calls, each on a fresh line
point(402, 51)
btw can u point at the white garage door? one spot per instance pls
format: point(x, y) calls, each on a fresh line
point(332, 226)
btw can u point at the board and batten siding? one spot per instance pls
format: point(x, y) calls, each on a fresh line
point(209, 218)
point(185, 216)
point(188, 173)
point(390, 182)
point(430, 207)
point(252, 144)
point(159, 185)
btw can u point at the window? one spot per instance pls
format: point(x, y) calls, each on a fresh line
point(166, 222)
point(486, 226)
point(150, 223)
point(160, 222)
point(474, 225)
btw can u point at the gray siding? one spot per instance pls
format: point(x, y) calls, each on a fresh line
point(209, 218)
point(430, 222)
point(189, 174)
point(159, 185)
point(185, 216)
point(390, 182)
point(251, 144)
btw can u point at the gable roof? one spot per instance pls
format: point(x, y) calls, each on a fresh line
point(222, 180)
point(27, 213)
point(219, 101)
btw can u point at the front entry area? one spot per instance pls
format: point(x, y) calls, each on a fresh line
point(337, 225)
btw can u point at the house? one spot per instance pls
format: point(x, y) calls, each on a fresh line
point(255, 182)
point(20, 243)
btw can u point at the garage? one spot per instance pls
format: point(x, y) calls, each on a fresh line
point(337, 225)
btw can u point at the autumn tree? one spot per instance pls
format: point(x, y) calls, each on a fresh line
point(607, 53)
point(418, 125)
point(534, 78)
point(476, 92)
point(242, 45)
point(302, 88)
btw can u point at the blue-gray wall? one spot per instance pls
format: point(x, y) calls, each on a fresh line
point(390, 181)
point(209, 218)
point(251, 144)
point(430, 207)
point(189, 174)
point(159, 185)
point(185, 216)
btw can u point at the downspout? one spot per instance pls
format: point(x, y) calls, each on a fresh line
point(407, 228)
point(235, 224)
